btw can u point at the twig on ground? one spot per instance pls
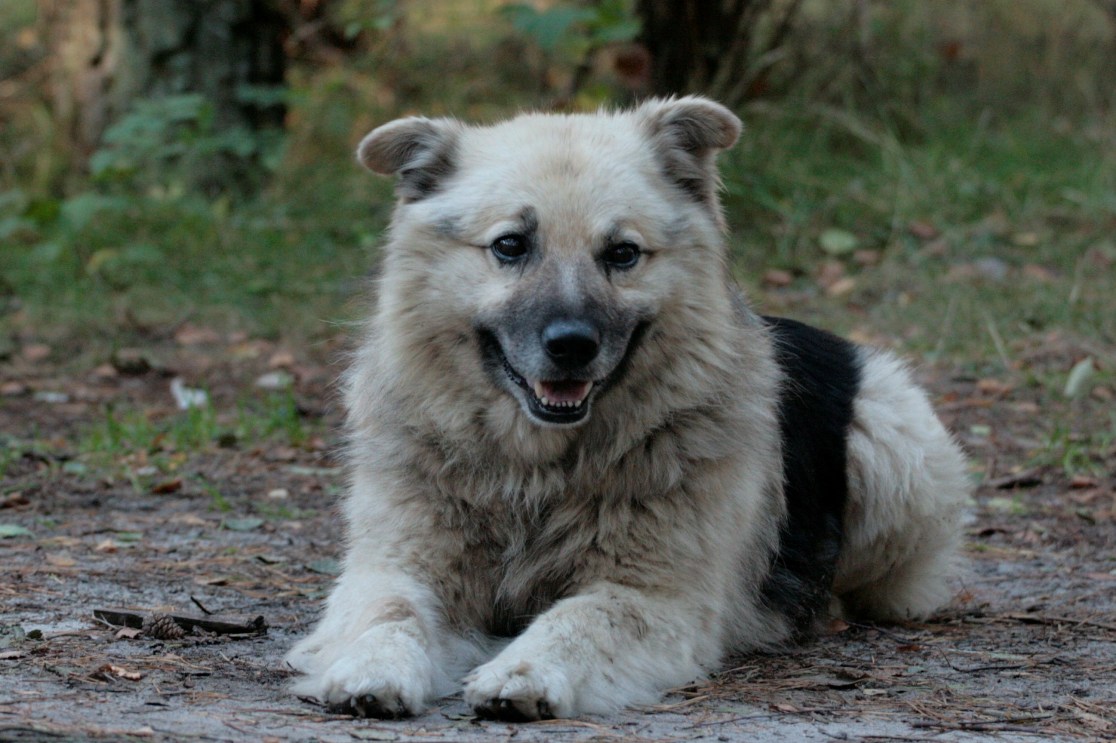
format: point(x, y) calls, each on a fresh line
point(226, 626)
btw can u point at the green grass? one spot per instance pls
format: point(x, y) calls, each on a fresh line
point(1018, 191)
point(145, 448)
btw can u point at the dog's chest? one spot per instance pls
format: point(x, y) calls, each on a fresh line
point(513, 563)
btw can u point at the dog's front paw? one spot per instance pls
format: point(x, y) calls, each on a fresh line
point(389, 678)
point(519, 691)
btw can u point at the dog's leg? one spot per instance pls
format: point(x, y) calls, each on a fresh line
point(907, 495)
point(608, 647)
point(379, 651)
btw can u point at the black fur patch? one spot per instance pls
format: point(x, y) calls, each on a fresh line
point(821, 379)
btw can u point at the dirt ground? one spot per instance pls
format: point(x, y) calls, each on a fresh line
point(1028, 650)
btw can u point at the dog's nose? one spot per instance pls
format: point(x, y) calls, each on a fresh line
point(571, 343)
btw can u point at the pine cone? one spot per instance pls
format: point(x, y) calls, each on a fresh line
point(162, 627)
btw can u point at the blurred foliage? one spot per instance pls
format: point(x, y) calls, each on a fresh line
point(170, 142)
point(985, 119)
point(575, 29)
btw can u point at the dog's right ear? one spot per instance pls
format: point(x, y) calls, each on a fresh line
point(419, 150)
point(688, 133)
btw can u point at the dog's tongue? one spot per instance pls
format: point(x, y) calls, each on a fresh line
point(570, 391)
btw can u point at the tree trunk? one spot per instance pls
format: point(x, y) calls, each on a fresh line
point(106, 54)
point(722, 48)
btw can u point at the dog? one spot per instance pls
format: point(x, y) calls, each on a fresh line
point(583, 469)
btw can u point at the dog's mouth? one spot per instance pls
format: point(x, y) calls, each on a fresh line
point(562, 401)
point(556, 401)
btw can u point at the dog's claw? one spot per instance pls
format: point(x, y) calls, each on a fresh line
point(508, 711)
point(368, 705)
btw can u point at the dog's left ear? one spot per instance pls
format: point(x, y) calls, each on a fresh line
point(419, 150)
point(688, 133)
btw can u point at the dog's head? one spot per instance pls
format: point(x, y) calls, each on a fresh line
point(537, 252)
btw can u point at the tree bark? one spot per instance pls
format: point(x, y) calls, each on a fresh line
point(105, 54)
point(721, 48)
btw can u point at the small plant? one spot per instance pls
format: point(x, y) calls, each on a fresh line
point(276, 413)
point(169, 144)
point(217, 500)
point(1077, 453)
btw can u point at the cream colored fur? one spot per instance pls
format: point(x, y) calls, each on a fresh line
point(625, 554)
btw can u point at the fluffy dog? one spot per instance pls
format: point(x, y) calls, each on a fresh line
point(583, 470)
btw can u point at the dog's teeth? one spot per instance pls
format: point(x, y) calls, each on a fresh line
point(540, 391)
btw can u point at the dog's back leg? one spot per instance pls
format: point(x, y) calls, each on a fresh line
point(908, 490)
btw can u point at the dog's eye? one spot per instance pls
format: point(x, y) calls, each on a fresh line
point(509, 247)
point(621, 255)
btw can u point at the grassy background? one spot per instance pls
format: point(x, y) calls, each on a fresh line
point(941, 179)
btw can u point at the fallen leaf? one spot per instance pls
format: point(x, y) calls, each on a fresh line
point(128, 633)
point(282, 454)
point(13, 389)
point(281, 359)
point(276, 380)
point(10, 531)
point(104, 372)
point(11, 634)
point(922, 230)
point(994, 386)
point(248, 523)
point(829, 273)
point(14, 500)
point(324, 567)
point(193, 335)
point(1078, 377)
point(12, 654)
point(211, 580)
point(866, 257)
point(167, 486)
point(35, 352)
point(61, 561)
point(1079, 482)
point(777, 277)
point(130, 362)
point(119, 671)
point(250, 349)
point(837, 242)
point(107, 546)
point(841, 287)
point(189, 519)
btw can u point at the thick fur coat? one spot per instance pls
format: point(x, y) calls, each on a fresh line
point(583, 470)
